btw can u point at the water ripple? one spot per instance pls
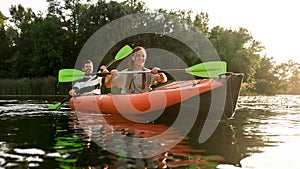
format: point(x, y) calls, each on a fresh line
point(273, 103)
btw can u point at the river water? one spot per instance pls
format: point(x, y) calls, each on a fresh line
point(263, 134)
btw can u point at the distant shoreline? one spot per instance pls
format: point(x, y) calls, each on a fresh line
point(33, 97)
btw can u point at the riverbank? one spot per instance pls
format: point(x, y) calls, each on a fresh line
point(50, 98)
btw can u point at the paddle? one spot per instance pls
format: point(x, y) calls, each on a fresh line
point(58, 105)
point(122, 53)
point(206, 69)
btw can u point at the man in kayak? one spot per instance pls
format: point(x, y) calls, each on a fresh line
point(135, 83)
point(88, 84)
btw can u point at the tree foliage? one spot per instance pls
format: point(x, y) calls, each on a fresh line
point(2, 20)
point(287, 75)
point(39, 45)
point(265, 79)
point(238, 49)
point(47, 50)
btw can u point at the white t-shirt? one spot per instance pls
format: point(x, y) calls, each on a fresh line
point(87, 85)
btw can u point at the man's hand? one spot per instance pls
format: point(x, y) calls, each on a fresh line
point(72, 92)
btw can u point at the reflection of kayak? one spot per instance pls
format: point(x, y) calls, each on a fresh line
point(153, 143)
point(224, 88)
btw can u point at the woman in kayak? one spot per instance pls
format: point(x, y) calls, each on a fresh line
point(135, 83)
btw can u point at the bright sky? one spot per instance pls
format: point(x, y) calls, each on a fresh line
point(272, 22)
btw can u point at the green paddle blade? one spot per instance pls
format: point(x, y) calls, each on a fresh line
point(123, 52)
point(208, 69)
point(69, 75)
point(54, 106)
point(58, 105)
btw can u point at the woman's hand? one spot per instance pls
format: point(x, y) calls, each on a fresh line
point(109, 78)
point(162, 77)
point(103, 69)
point(155, 70)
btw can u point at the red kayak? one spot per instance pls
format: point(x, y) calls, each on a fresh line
point(163, 97)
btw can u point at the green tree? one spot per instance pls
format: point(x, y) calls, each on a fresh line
point(81, 19)
point(2, 20)
point(97, 16)
point(46, 57)
point(39, 46)
point(265, 69)
point(22, 44)
point(21, 17)
point(277, 79)
point(7, 44)
point(294, 80)
point(238, 49)
point(284, 73)
point(265, 80)
point(134, 6)
point(202, 21)
point(5, 51)
point(69, 13)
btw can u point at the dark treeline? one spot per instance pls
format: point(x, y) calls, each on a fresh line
point(38, 45)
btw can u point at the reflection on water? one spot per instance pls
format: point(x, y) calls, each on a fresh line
point(271, 126)
point(34, 137)
point(128, 140)
point(264, 129)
